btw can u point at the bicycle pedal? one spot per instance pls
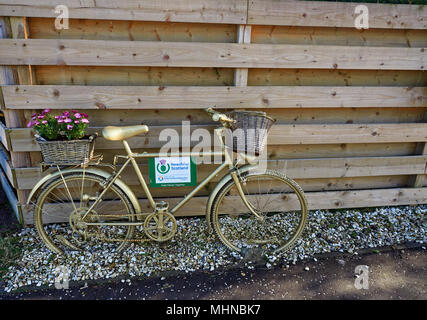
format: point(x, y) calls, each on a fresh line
point(162, 206)
point(67, 243)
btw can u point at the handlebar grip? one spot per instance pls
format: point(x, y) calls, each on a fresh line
point(210, 110)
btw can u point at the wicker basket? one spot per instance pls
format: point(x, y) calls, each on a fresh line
point(252, 136)
point(72, 152)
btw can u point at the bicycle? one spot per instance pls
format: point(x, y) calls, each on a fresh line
point(250, 208)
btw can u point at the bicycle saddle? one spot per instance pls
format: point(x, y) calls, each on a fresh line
point(122, 133)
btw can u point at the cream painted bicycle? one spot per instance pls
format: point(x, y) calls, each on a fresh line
point(251, 208)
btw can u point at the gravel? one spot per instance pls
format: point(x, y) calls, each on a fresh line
point(192, 249)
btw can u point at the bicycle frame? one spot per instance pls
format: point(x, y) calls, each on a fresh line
point(131, 158)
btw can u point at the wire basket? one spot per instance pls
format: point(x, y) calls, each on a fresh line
point(67, 152)
point(250, 131)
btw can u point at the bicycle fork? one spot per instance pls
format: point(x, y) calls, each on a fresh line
point(235, 176)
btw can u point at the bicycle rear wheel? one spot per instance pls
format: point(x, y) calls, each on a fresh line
point(62, 204)
point(277, 199)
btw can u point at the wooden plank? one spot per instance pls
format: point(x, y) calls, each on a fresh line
point(23, 75)
point(42, 28)
point(333, 36)
point(316, 200)
point(320, 77)
point(347, 133)
point(192, 54)
point(22, 139)
point(298, 151)
point(296, 168)
point(183, 97)
point(335, 14)
point(16, 28)
point(421, 148)
point(418, 180)
point(136, 76)
point(205, 11)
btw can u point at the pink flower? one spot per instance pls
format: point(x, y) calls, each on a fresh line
point(66, 113)
point(47, 110)
point(34, 115)
point(30, 124)
point(84, 115)
point(44, 121)
point(60, 121)
point(57, 117)
point(76, 121)
point(36, 123)
point(68, 120)
point(41, 117)
point(85, 121)
point(77, 115)
point(70, 127)
point(74, 111)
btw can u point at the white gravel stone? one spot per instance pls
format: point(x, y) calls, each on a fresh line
point(192, 249)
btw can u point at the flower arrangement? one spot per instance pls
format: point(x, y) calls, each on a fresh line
point(70, 125)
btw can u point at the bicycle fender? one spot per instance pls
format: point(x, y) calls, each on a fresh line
point(102, 173)
point(218, 187)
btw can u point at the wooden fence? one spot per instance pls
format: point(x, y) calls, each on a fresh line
point(350, 104)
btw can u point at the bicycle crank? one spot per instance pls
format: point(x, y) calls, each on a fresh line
point(160, 226)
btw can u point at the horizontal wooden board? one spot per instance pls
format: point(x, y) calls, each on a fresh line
point(41, 28)
point(335, 14)
point(192, 54)
point(322, 77)
point(414, 38)
point(303, 151)
point(316, 200)
point(206, 11)
point(136, 76)
point(297, 151)
point(22, 139)
point(347, 133)
point(138, 97)
point(162, 117)
point(295, 168)
point(174, 76)
point(269, 12)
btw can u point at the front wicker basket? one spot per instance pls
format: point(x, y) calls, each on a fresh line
point(68, 152)
point(250, 131)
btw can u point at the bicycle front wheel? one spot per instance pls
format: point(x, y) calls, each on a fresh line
point(60, 214)
point(279, 203)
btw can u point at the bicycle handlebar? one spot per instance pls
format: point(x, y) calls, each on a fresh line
point(216, 116)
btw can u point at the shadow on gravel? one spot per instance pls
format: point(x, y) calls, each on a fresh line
point(396, 274)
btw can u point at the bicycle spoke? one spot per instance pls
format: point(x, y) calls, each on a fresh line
point(265, 192)
point(58, 201)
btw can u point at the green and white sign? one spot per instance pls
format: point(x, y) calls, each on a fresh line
point(172, 172)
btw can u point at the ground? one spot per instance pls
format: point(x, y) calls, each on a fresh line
point(395, 273)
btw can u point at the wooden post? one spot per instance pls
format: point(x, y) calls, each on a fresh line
point(421, 148)
point(241, 74)
point(16, 27)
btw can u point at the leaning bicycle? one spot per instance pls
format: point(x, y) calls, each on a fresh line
point(251, 207)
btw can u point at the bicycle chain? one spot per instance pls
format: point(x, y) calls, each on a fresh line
point(97, 236)
point(102, 238)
